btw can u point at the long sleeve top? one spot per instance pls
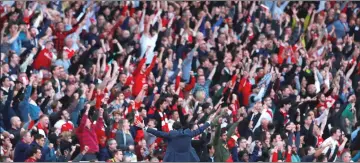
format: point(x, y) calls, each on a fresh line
point(28, 106)
point(87, 136)
point(140, 77)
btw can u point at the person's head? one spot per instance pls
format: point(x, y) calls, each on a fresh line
point(224, 134)
point(346, 156)
point(321, 158)
point(161, 104)
point(14, 59)
point(116, 116)
point(93, 29)
point(177, 125)
point(352, 99)
point(200, 95)
point(175, 115)
point(44, 120)
point(242, 143)
point(15, 122)
point(152, 123)
point(35, 152)
point(276, 137)
point(309, 150)
point(40, 139)
point(5, 82)
point(343, 17)
point(55, 71)
point(65, 115)
point(112, 144)
point(118, 155)
point(26, 137)
point(210, 149)
point(286, 91)
point(154, 159)
point(68, 42)
point(286, 105)
point(201, 80)
point(124, 124)
point(245, 156)
point(4, 68)
point(143, 112)
point(268, 101)
point(13, 28)
point(308, 120)
point(311, 89)
point(335, 133)
point(60, 26)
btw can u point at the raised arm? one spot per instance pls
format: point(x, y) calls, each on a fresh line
point(200, 129)
point(141, 24)
point(158, 133)
point(148, 70)
point(213, 72)
point(139, 66)
point(84, 119)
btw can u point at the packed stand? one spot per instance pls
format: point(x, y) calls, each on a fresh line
point(78, 78)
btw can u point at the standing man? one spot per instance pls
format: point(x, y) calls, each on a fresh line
point(179, 147)
point(87, 135)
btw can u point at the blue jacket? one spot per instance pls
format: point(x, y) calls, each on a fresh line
point(340, 28)
point(26, 108)
point(105, 154)
point(179, 147)
point(20, 154)
point(47, 154)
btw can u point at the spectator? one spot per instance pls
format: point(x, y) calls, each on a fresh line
point(22, 146)
point(35, 155)
point(87, 135)
point(109, 151)
point(183, 136)
point(118, 156)
point(209, 156)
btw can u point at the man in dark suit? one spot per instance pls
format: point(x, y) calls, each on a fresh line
point(209, 155)
point(179, 147)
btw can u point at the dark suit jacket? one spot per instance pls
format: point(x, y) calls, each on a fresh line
point(179, 147)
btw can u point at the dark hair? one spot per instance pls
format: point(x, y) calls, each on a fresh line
point(320, 158)
point(333, 130)
point(116, 151)
point(306, 150)
point(209, 146)
point(177, 125)
point(159, 102)
point(154, 120)
point(33, 151)
point(3, 79)
point(38, 136)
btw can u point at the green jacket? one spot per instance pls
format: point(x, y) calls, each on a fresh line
point(222, 152)
point(347, 113)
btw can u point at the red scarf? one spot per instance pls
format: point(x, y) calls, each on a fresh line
point(164, 122)
point(286, 119)
point(269, 111)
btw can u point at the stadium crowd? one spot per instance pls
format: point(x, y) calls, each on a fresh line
point(274, 81)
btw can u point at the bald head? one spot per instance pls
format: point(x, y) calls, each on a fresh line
point(15, 122)
point(343, 17)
